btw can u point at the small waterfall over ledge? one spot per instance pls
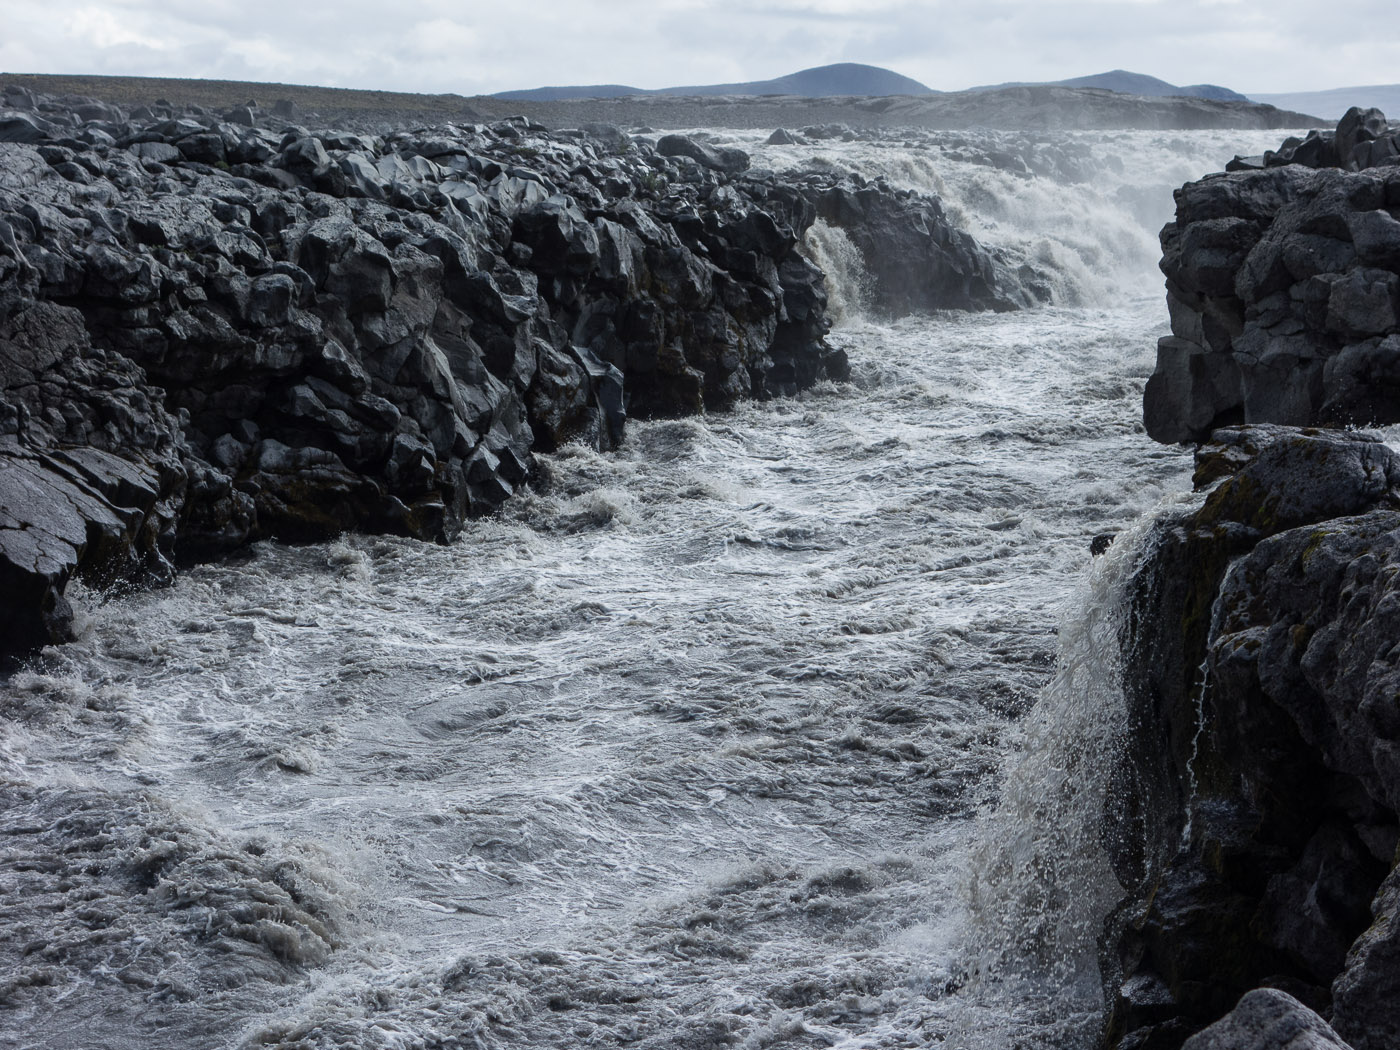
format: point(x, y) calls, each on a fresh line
point(847, 286)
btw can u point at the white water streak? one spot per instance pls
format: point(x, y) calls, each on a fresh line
point(1040, 884)
point(1092, 230)
point(847, 283)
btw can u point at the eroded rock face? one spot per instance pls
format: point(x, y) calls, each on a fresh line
point(1258, 805)
point(274, 330)
point(1283, 286)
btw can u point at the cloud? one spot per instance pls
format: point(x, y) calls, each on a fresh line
point(471, 47)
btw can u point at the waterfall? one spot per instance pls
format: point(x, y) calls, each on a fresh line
point(1039, 883)
point(1081, 209)
point(840, 260)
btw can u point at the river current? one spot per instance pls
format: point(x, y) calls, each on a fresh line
point(770, 729)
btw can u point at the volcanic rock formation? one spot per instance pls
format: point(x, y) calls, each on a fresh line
point(1283, 283)
point(214, 329)
point(1257, 809)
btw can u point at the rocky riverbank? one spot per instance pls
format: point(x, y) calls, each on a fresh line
point(221, 327)
point(1256, 816)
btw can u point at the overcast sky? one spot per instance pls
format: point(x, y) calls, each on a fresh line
point(481, 46)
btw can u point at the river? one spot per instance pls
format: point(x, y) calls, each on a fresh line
point(727, 738)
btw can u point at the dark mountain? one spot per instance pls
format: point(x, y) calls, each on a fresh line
point(1133, 84)
point(1150, 87)
point(844, 78)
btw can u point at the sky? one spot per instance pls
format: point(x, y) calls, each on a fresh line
point(481, 46)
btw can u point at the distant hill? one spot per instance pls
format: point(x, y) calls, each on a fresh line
point(1332, 104)
point(559, 94)
point(844, 78)
point(1016, 108)
point(1132, 84)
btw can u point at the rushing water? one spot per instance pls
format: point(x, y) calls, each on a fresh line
point(717, 740)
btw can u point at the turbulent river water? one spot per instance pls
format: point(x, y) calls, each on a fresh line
point(771, 729)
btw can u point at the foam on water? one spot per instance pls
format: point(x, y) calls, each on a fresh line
point(699, 743)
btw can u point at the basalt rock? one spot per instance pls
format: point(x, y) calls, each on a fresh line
point(716, 158)
point(1257, 805)
point(284, 331)
point(1283, 286)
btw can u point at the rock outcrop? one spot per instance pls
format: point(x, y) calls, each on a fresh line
point(92, 470)
point(220, 327)
point(1283, 283)
point(1256, 814)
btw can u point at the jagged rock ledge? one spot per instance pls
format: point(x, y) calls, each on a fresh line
point(215, 328)
point(1283, 284)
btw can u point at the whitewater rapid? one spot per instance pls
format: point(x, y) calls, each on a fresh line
point(704, 742)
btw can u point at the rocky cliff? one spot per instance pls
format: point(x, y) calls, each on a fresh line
point(1256, 811)
point(1257, 808)
point(220, 327)
point(1283, 284)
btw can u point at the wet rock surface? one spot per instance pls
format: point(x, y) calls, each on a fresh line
point(915, 258)
point(288, 332)
point(94, 473)
point(1257, 814)
point(1283, 284)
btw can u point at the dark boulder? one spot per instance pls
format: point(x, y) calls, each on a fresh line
point(25, 127)
point(1358, 128)
point(716, 158)
point(1268, 1019)
point(914, 257)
